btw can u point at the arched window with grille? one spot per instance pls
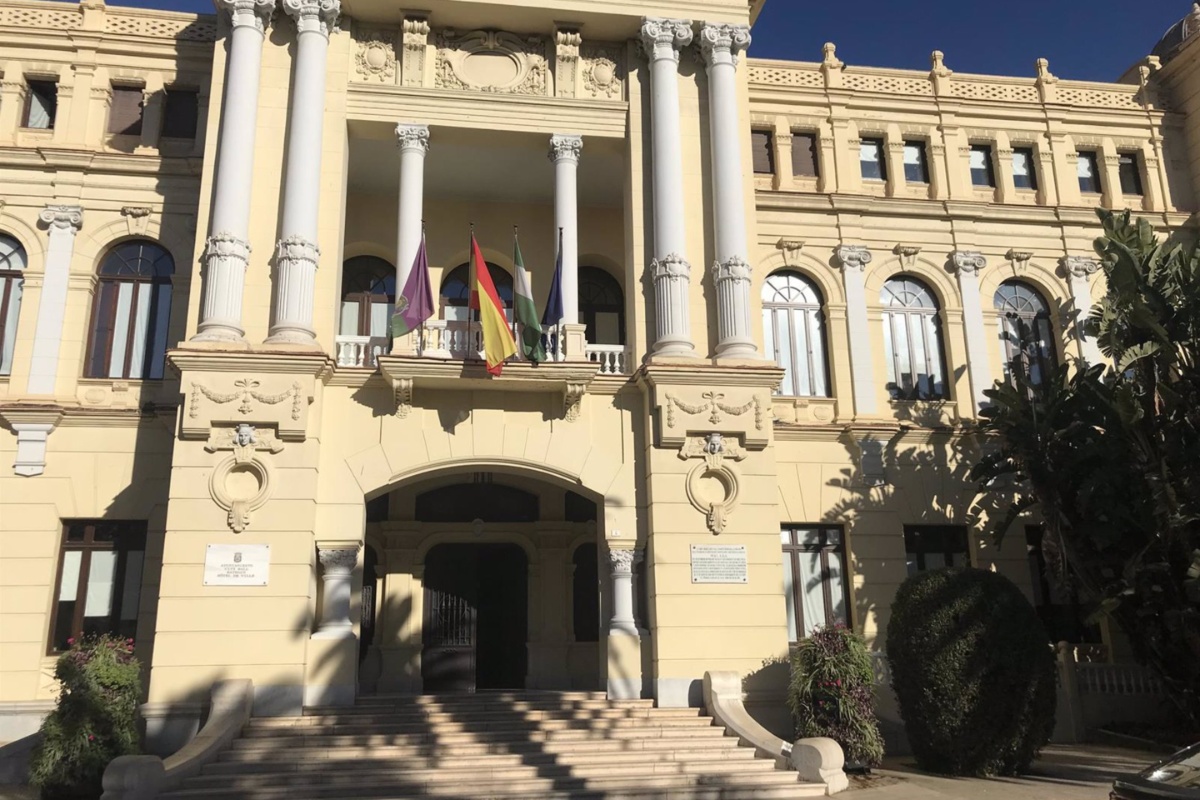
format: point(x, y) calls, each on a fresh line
point(794, 333)
point(12, 278)
point(368, 296)
point(601, 306)
point(912, 341)
point(1026, 335)
point(456, 291)
point(131, 312)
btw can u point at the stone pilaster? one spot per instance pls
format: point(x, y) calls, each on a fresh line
point(566, 60)
point(565, 151)
point(413, 142)
point(337, 571)
point(62, 223)
point(1079, 270)
point(853, 261)
point(967, 264)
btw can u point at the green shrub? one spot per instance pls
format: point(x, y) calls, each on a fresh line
point(95, 720)
point(973, 672)
point(831, 693)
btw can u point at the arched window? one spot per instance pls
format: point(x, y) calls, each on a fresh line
point(795, 333)
point(12, 278)
point(456, 291)
point(131, 312)
point(368, 296)
point(601, 306)
point(1025, 331)
point(912, 340)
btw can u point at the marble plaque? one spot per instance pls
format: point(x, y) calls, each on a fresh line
point(237, 565)
point(719, 563)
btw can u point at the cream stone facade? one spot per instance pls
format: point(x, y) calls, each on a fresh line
point(614, 518)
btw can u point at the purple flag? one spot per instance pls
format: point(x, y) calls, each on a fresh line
point(414, 305)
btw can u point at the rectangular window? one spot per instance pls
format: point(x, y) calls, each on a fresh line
point(935, 547)
point(1024, 172)
point(1131, 174)
point(763, 145)
point(99, 580)
point(1089, 172)
point(814, 578)
point(983, 172)
point(916, 168)
point(804, 155)
point(41, 105)
point(870, 155)
point(181, 111)
point(125, 114)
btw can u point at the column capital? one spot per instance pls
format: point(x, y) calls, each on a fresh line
point(412, 137)
point(338, 562)
point(671, 265)
point(247, 13)
point(853, 257)
point(62, 218)
point(1080, 267)
point(721, 43)
point(967, 262)
point(663, 38)
point(314, 16)
point(227, 246)
point(621, 561)
point(298, 249)
point(565, 147)
point(734, 269)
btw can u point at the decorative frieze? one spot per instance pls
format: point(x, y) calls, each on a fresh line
point(375, 54)
point(603, 72)
point(468, 63)
point(272, 401)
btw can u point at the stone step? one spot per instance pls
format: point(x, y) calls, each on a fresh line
point(470, 725)
point(490, 699)
point(368, 760)
point(425, 736)
point(662, 786)
point(429, 715)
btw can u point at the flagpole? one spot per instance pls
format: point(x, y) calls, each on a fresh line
point(558, 342)
point(421, 334)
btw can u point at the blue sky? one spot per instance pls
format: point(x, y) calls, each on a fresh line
point(1092, 40)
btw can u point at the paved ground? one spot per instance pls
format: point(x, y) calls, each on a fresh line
point(1065, 772)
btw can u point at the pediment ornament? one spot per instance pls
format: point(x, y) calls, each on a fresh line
point(491, 61)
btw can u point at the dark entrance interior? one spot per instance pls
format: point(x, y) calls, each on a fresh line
point(476, 618)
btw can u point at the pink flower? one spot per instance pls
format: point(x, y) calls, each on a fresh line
point(91, 738)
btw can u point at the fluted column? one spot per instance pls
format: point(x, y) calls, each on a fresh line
point(413, 141)
point(720, 45)
point(565, 152)
point(62, 223)
point(967, 265)
point(297, 253)
point(672, 273)
point(337, 571)
point(1079, 271)
point(853, 261)
point(621, 571)
point(227, 250)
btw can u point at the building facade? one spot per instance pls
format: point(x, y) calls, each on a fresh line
point(786, 286)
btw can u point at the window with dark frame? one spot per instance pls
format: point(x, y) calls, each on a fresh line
point(1024, 170)
point(41, 105)
point(912, 341)
point(816, 587)
point(805, 161)
point(131, 312)
point(181, 113)
point(601, 306)
point(1026, 332)
point(762, 145)
point(871, 158)
point(1088, 166)
point(125, 113)
point(983, 171)
point(1130, 170)
point(935, 547)
point(368, 297)
point(99, 580)
point(916, 166)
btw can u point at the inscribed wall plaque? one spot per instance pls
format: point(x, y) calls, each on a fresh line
point(237, 565)
point(719, 563)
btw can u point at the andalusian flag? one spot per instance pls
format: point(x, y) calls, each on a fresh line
point(498, 343)
point(525, 311)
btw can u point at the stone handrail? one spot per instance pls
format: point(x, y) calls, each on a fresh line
point(816, 760)
point(145, 777)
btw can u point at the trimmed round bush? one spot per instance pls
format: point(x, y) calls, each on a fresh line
point(832, 693)
point(94, 722)
point(973, 672)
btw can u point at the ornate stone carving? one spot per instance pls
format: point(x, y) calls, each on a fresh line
point(603, 76)
point(314, 16)
point(248, 12)
point(244, 440)
point(416, 39)
point(908, 254)
point(790, 249)
point(566, 60)
point(853, 257)
point(246, 390)
point(375, 56)
point(671, 266)
point(572, 400)
point(734, 269)
point(1080, 266)
point(713, 485)
point(565, 147)
point(713, 403)
point(412, 137)
point(240, 485)
point(621, 561)
point(1019, 258)
point(402, 388)
point(663, 38)
point(339, 562)
point(968, 262)
point(491, 61)
point(227, 246)
point(297, 250)
point(720, 42)
point(62, 218)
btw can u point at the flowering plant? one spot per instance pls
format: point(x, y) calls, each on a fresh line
point(831, 693)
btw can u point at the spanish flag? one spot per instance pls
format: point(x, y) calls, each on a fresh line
point(498, 343)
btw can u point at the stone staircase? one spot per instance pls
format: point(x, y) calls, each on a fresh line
point(505, 746)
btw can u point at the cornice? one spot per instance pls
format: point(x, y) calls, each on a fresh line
point(516, 377)
point(697, 372)
point(267, 362)
point(793, 432)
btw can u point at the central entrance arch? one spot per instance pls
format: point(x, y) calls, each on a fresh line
point(475, 627)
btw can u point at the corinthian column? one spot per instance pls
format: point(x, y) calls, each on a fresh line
point(227, 250)
point(62, 223)
point(564, 152)
point(337, 570)
point(672, 273)
point(297, 253)
point(622, 622)
point(720, 45)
